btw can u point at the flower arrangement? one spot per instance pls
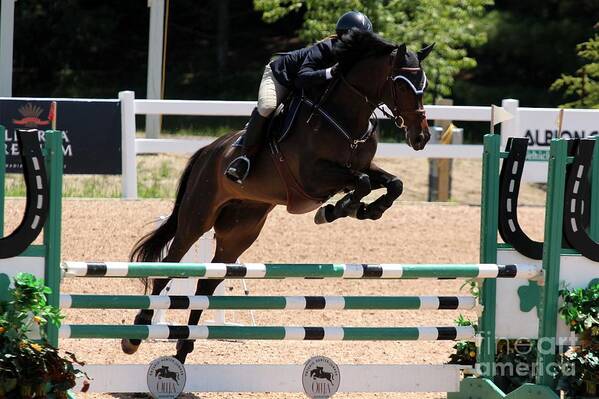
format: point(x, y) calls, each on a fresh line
point(31, 368)
point(579, 368)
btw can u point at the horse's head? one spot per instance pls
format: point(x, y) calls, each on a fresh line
point(403, 91)
point(385, 73)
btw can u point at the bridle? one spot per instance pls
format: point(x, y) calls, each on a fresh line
point(395, 116)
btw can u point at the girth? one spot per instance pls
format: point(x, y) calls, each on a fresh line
point(298, 201)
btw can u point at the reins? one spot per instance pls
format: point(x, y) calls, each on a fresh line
point(394, 115)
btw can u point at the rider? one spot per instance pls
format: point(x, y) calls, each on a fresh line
point(300, 69)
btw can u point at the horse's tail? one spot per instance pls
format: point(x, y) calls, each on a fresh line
point(150, 247)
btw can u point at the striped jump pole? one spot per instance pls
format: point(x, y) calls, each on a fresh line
point(268, 333)
point(267, 302)
point(287, 270)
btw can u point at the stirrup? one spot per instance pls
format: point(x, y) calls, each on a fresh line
point(232, 172)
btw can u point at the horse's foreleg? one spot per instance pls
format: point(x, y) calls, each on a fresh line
point(394, 186)
point(350, 204)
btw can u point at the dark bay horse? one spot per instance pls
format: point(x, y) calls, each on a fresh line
point(329, 150)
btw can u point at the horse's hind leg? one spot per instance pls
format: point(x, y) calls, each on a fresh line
point(237, 227)
point(189, 230)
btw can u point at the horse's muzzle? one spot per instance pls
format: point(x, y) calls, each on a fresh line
point(419, 140)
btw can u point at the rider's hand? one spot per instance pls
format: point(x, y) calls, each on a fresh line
point(332, 71)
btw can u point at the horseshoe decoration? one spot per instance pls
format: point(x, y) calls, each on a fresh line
point(509, 188)
point(577, 201)
point(36, 208)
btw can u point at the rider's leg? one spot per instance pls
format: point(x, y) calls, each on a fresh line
point(270, 95)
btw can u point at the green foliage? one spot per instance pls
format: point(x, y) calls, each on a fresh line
point(473, 287)
point(26, 306)
point(465, 351)
point(580, 310)
point(584, 86)
point(31, 368)
point(451, 24)
point(579, 368)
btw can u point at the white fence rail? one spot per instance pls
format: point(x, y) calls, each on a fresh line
point(539, 125)
point(133, 146)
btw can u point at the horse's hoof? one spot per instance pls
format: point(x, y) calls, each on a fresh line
point(128, 346)
point(320, 217)
point(373, 213)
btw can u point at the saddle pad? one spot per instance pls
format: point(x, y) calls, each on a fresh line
point(284, 117)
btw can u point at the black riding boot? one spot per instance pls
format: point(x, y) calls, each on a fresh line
point(239, 168)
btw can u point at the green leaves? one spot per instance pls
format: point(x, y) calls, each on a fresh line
point(453, 25)
point(27, 367)
point(26, 308)
point(580, 310)
point(465, 351)
point(584, 86)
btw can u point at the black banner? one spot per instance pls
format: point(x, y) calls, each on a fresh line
point(91, 142)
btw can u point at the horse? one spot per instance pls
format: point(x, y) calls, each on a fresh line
point(329, 150)
point(164, 372)
point(319, 372)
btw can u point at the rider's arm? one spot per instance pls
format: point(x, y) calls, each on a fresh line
point(316, 68)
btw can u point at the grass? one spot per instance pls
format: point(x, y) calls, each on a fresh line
point(157, 176)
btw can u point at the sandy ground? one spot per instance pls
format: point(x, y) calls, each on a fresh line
point(411, 232)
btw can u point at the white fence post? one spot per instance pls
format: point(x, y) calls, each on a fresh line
point(155, 48)
point(128, 153)
point(510, 128)
point(7, 27)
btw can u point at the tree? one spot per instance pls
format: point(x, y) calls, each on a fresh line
point(585, 84)
point(451, 24)
point(530, 44)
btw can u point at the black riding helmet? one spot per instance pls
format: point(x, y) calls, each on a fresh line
point(353, 19)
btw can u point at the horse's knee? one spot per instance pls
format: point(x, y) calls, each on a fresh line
point(395, 187)
point(363, 186)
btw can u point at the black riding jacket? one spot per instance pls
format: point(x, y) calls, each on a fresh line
point(305, 67)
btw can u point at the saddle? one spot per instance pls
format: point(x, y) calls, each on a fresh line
point(298, 201)
point(284, 117)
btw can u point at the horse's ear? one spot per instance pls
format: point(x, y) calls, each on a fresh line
point(401, 49)
point(422, 54)
point(400, 54)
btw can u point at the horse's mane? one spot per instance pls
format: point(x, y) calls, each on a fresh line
point(357, 45)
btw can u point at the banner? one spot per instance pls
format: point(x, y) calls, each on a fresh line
point(540, 126)
point(91, 141)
